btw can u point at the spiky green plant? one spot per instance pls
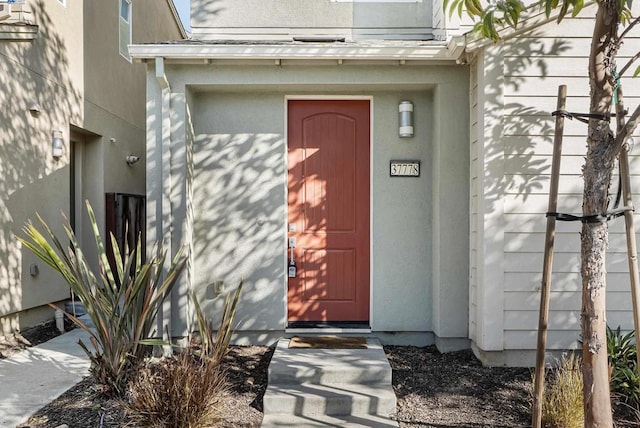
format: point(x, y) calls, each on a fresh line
point(625, 381)
point(214, 343)
point(122, 306)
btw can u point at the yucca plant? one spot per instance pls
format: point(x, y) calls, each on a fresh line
point(214, 343)
point(122, 305)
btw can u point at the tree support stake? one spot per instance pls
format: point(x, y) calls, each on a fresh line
point(548, 262)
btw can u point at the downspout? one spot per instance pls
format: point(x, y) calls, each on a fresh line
point(167, 233)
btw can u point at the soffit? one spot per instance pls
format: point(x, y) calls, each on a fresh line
point(185, 50)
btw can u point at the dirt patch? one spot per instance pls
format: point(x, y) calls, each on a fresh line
point(17, 342)
point(455, 390)
point(433, 390)
point(84, 405)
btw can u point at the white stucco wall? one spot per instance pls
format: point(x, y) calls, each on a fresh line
point(284, 19)
point(84, 88)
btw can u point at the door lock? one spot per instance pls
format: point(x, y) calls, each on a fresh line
point(292, 269)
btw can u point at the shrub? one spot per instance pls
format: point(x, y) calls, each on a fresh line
point(121, 305)
point(185, 391)
point(214, 343)
point(625, 382)
point(562, 405)
point(176, 392)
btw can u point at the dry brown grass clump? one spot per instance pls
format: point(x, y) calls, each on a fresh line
point(562, 402)
point(183, 391)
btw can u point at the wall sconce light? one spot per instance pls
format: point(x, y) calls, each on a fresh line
point(405, 109)
point(57, 145)
point(131, 159)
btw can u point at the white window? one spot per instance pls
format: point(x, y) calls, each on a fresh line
point(124, 28)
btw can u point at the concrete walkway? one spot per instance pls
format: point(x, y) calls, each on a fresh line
point(34, 377)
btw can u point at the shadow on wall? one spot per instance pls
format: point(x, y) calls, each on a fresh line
point(238, 227)
point(204, 10)
point(33, 73)
point(525, 173)
point(525, 145)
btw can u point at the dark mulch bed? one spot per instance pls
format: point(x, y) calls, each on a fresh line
point(455, 390)
point(84, 405)
point(433, 390)
point(30, 337)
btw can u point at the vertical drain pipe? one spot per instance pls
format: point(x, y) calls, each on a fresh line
point(59, 315)
point(165, 155)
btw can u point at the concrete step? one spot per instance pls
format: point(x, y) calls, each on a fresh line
point(339, 399)
point(329, 366)
point(329, 387)
point(370, 421)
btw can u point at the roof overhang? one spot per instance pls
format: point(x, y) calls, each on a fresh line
point(372, 51)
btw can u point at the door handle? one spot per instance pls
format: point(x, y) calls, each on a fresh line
point(292, 269)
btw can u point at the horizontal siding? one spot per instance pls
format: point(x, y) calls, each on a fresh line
point(534, 66)
point(551, 46)
point(520, 242)
point(527, 223)
point(548, 86)
point(561, 281)
point(561, 301)
point(565, 262)
point(560, 320)
point(526, 339)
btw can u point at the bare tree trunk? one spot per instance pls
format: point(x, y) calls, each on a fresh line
point(597, 172)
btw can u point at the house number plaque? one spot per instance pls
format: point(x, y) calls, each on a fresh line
point(404, 168)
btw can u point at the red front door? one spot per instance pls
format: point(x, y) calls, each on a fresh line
point(329, 145)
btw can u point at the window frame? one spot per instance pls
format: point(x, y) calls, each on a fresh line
point(125, 25)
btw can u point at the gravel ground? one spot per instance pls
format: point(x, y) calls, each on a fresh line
point(434, 390)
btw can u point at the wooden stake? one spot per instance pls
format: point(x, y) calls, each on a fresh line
point(632, 252)
point(536, 419)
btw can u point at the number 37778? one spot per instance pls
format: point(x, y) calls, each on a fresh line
point(405, 169)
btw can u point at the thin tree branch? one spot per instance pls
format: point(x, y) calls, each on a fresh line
point(628, 128)
point(629, 63)
point(629, 27)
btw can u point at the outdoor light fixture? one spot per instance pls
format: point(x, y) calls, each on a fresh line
point(57, 145)
point(405, 110)
point(131, 159)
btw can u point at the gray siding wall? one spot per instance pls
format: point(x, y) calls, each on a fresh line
point(515, 148)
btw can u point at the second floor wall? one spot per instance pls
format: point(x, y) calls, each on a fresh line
point(112, 80)
point(289, 19)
